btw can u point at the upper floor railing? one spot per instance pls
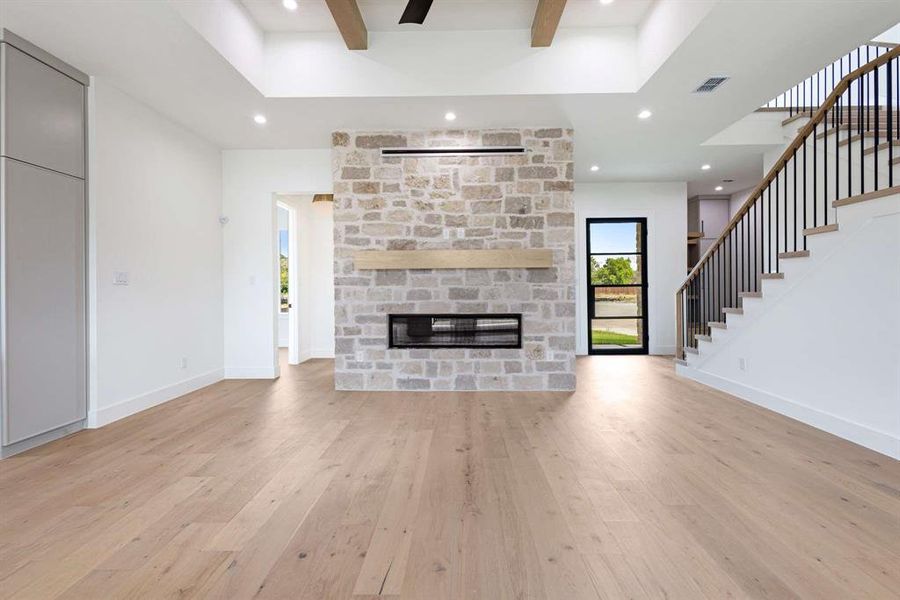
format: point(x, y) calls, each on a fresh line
point(809, 94)
point(847, 151)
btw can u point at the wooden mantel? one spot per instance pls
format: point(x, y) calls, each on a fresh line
point(504, 258)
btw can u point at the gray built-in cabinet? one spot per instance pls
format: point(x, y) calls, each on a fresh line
point(43, 194)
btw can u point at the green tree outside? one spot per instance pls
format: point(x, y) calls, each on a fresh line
point(284, 282)
point(615, 271)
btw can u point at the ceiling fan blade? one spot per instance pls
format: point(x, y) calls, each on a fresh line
point(416, 11)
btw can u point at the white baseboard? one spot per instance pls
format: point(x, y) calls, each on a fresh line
point(662, 350)
point(865, 436)
point(321, 353)
point(125, 408)
point(250, 373)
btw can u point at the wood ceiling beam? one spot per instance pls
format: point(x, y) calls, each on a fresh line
point(546, 20)
point(350, 23)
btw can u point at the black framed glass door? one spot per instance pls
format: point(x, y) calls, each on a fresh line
point(617, 286)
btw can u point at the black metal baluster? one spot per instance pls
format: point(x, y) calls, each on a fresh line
point(862, 152)
point(718, 270)
point(890, 124)
point(735, 281)
point(696, 319)
point(837, 152)
point(729, 267)
point(877, 111)
point(769, 221)
point(868, 94)
point(755, 244)
point(804, 190)
point(794, 160)
point(776, 222)
point(815, 158)
point(825, 167)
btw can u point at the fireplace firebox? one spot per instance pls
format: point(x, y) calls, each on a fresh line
point(455, 331)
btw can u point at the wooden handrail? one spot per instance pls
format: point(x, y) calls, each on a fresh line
point(798, 142)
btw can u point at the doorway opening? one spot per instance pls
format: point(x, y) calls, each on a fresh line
point(617, 285)
point(286, 280)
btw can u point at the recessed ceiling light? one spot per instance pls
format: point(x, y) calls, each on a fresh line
point(289, 4)
point(645, 114)
point(260, 119)
point(595, 168)
point(606, 2)
point(450, 116)
point(718, 188)
point(706, 167)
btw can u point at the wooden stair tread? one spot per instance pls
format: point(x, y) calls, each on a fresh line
point(794, 254)
point(718, 325)
point(867, 135)
point(750, 294)
point(854, 133)
point(691, 350)
point(880, 147)
point(681, 361)
point(705, 338)
point(867, 196)
point(771, 275)
point(821, 229)
point(728, 310)
point(796, 117)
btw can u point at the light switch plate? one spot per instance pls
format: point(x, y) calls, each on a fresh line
point(120, 278)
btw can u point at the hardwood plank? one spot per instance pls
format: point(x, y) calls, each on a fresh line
point(384, 569)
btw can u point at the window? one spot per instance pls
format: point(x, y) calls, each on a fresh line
point(617, 286)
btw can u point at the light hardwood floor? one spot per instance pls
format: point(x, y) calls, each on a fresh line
point(640, 485)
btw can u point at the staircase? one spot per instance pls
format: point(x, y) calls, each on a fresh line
point(768, 312)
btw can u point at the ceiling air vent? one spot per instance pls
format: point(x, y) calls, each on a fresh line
point(473, 151)
point(710, 85)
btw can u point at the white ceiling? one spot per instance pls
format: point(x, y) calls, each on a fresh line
point(149, 51)
point(445, 15)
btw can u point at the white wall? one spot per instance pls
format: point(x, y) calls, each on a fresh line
point(155, 195)
point(251, 178)
point(228, 28)
point(823, 346)
point(665, 207)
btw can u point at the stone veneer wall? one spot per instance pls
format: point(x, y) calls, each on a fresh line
point(397, 203)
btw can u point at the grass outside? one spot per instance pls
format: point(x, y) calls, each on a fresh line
point(602, 337)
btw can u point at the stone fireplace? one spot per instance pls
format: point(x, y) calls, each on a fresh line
point(450, 202)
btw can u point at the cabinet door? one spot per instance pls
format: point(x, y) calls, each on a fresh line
point(43, 114)
point(43, 300)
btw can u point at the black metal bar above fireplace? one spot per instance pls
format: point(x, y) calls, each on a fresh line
point(455, 331)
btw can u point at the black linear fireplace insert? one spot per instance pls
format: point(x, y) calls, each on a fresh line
point(455, 331)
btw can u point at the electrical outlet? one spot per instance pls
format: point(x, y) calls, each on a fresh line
point(120, 278)
point(742, 364)
point(184, 362)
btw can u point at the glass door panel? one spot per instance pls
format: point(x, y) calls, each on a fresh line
point(617, 286)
